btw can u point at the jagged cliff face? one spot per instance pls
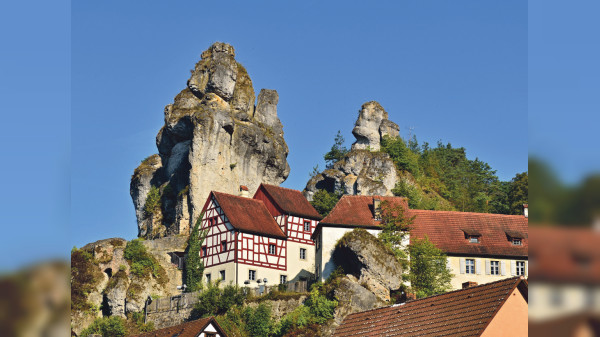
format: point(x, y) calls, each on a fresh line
point(364, 170)
point(214, 138)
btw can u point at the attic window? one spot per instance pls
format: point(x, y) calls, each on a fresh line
point(473, 239)
point(516, 242)
point(472, 235)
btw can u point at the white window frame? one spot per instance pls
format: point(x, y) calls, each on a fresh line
point(470, 263)
point(252, 275)
point(474, 239)
point(520, 268)
point(495, 267)
point(274, 246)
point(307, 223)
point(282, 279)
point(517, 242)
point(302, 250)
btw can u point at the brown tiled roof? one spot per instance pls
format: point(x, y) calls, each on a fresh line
point(248, 215)
point(564, 326)
point(291, 201)
point(565, 255)
point(465, 312)
point(357, 210)
point(447, 231)
point(188, 329)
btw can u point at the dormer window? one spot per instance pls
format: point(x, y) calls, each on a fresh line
point(474, 239)
point(515, 237)
point(516, 241)
point(472, 235)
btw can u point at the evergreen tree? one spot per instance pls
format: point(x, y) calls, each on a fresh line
point(194, 267)
point(324, 201)
point(337, 152)
point(518, 193)
point(428, 274)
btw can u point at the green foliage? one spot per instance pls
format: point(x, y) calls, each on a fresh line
point(337, 152)
point(137, 318)
point(518, 193)
point(394, 228)
point(194, 267)
point(232, 166)
point(258, 321)
point(324, 201)
point(428, 274)
point(315, 171)
point(112, 326)
point(153, 204)
point(217, 301)
point(316, 310)
point(84, 277)
point(141, 262)
point(403, 157)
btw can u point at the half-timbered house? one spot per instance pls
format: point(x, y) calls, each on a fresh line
point(298, 219)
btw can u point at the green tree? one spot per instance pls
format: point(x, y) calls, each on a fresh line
point(518, 193)
point(324, 201)
point(395, 225)
point(259, 321)
point(153, 203)
point(428, 274)
point(113, 326)
point(337, 152)
point(194, 267)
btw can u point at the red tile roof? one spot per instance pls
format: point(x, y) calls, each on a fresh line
point(465, 312)
point(188, 329)
point(248, 215)
point(565, 255)
point(291, 201)
point(357, 210)
point(447, 231)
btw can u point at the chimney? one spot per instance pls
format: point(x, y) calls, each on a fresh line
point(377, 208)
point(468, 284)
point(526, 210)
point(244, 191)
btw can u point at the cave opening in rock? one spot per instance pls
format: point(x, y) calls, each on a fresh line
point(105, 306)
point(108, 271)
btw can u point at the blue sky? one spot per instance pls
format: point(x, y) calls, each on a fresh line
point(83, 90)
point(456, 73)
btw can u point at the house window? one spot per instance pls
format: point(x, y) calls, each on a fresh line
point(224, 245)
point(516, 242)
point(207, 278)
point(252, 275)
point(307, 226)
point(210, 334)
point(302, 253)
point(282, 279)
point(470, 266)
point(495, 267)
point(520, 268)
point(272, 249)
point(473, 239)
point(222, 275)
point(203, 251)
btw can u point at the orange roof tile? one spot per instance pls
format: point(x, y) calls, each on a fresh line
point(465, 312)
point(447, 231)
point(187, 329)
point(357, 210)
point(248, 215)
point(291, 201)
point(565, 255)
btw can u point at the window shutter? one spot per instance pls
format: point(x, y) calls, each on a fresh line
point(448, 266)
point(513, 268)
point(478, 267)
point(462, 266)
point(526, 268)
point(502, 268)
point(488, 267)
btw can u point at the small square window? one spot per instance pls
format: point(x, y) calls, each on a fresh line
point(224, 245)
point(470, 266)
point(283, 279)
point(222, 275)
point(207, 278)
point(473, 239)
point(516, 242)
point(252, 275)
point(495, 267)
point(302, 253)
point(520, 268)
point(272, 249)
point(307, 226)
point(203, 251)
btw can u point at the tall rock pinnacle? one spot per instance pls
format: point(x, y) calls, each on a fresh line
point(214, 138)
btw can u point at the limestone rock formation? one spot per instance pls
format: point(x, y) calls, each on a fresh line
point(214, 138)
point(117, 291)
point(374, 265)
point(364, 170)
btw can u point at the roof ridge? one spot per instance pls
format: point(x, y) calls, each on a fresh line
point(286, 188)
point(235, 196)
point(461, 212)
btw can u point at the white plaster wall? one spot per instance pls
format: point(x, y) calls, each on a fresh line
point(575, 299)
point(296, 267)
point(480, 276)
point(229, 268)
point(209, 328)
